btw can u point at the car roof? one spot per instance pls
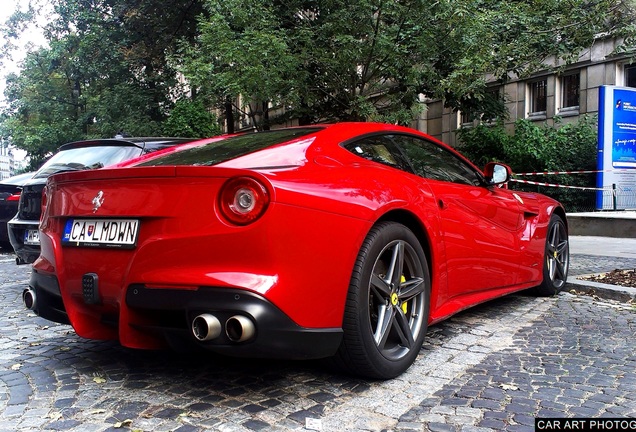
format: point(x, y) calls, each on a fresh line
point(327, 136)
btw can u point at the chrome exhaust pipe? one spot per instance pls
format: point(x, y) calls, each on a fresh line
point(28, 298)
point(239, 328)
point(206, 327)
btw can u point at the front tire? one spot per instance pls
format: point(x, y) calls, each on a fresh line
point(386, 315)
point(556, 261)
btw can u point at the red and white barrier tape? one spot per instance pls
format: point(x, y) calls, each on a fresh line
point(539, 173)
point(562, 186)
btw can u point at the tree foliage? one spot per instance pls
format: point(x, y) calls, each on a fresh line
point(533, 147)
point(114, 65)
point(190, 119)
point(372, 59)
point(104, 70)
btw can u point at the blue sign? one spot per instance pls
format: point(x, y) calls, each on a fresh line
point(616, 146)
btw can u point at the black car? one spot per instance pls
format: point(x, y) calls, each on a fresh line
point(10, 190)
point(82, 155)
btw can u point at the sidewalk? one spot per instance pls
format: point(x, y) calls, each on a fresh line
point(603, 246)
point(593, 255)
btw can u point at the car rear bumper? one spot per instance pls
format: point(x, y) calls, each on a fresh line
point(48, 299)
point(148, 315)
point(26, 253)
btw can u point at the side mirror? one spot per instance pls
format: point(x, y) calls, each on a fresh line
point(497, 173)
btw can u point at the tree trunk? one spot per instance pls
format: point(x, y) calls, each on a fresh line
point(229, 115)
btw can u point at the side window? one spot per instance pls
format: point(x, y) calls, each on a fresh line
point(379, 148)
point(434, 162)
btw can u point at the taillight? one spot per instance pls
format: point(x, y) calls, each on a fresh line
point(44, 202)
point(14, 197)
point(243, 200)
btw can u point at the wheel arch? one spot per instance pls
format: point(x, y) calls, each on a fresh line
point(413, 223)
point(560, 211)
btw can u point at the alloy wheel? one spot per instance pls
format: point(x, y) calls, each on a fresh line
point(558, 254)
point(397, 300)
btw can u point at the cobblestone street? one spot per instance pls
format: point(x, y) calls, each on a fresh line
point(494, 367)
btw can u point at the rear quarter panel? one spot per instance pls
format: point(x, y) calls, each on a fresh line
point(369, 192)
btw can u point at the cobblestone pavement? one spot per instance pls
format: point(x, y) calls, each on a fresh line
point(494, 367)
point(588, 264)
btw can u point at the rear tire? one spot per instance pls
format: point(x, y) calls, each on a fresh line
point(556, 261)
point(386, 314)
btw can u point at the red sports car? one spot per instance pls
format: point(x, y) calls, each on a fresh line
point(342, 241)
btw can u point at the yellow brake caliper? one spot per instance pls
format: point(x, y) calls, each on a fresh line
point(404, 305)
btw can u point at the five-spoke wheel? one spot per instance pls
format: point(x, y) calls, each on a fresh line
point(557, 258)
point(386, 315)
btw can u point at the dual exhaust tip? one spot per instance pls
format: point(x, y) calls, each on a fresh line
point(238, 328)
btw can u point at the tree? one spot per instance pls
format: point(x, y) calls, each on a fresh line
point(372, 59)
point(190, 119)
point(114, 65)
point(105, 69)
point(44, 106)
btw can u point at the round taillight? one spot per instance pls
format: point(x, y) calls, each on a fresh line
point(243, 200)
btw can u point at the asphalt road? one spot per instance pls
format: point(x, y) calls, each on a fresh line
point(497, 366)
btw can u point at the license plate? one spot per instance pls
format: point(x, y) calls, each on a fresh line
point(32, 237)
point(118, 233)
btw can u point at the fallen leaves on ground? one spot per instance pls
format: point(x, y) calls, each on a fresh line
point(625, 278)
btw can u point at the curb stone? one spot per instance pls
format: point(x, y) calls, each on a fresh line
point(601, 290)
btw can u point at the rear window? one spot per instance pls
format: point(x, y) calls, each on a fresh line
point(17, 179)
point(231, 147)
point(83, 158)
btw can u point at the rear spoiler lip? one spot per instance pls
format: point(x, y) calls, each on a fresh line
point(152, 171)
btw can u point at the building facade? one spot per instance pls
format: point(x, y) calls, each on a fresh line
point(8, 163)
point(569, 92)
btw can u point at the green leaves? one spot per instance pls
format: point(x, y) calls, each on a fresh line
point(532, 147)
point(190, 119)
point(105, 70)
point(118, 65)
point(536, 148)
point(365, 59)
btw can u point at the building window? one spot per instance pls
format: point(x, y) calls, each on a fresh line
point(465, 119)
point(570, 91)
point(630, 76)
point(538, 98)
point(495, 102)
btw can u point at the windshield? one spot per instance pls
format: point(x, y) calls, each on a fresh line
point(230, 148)
point(83, 158)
